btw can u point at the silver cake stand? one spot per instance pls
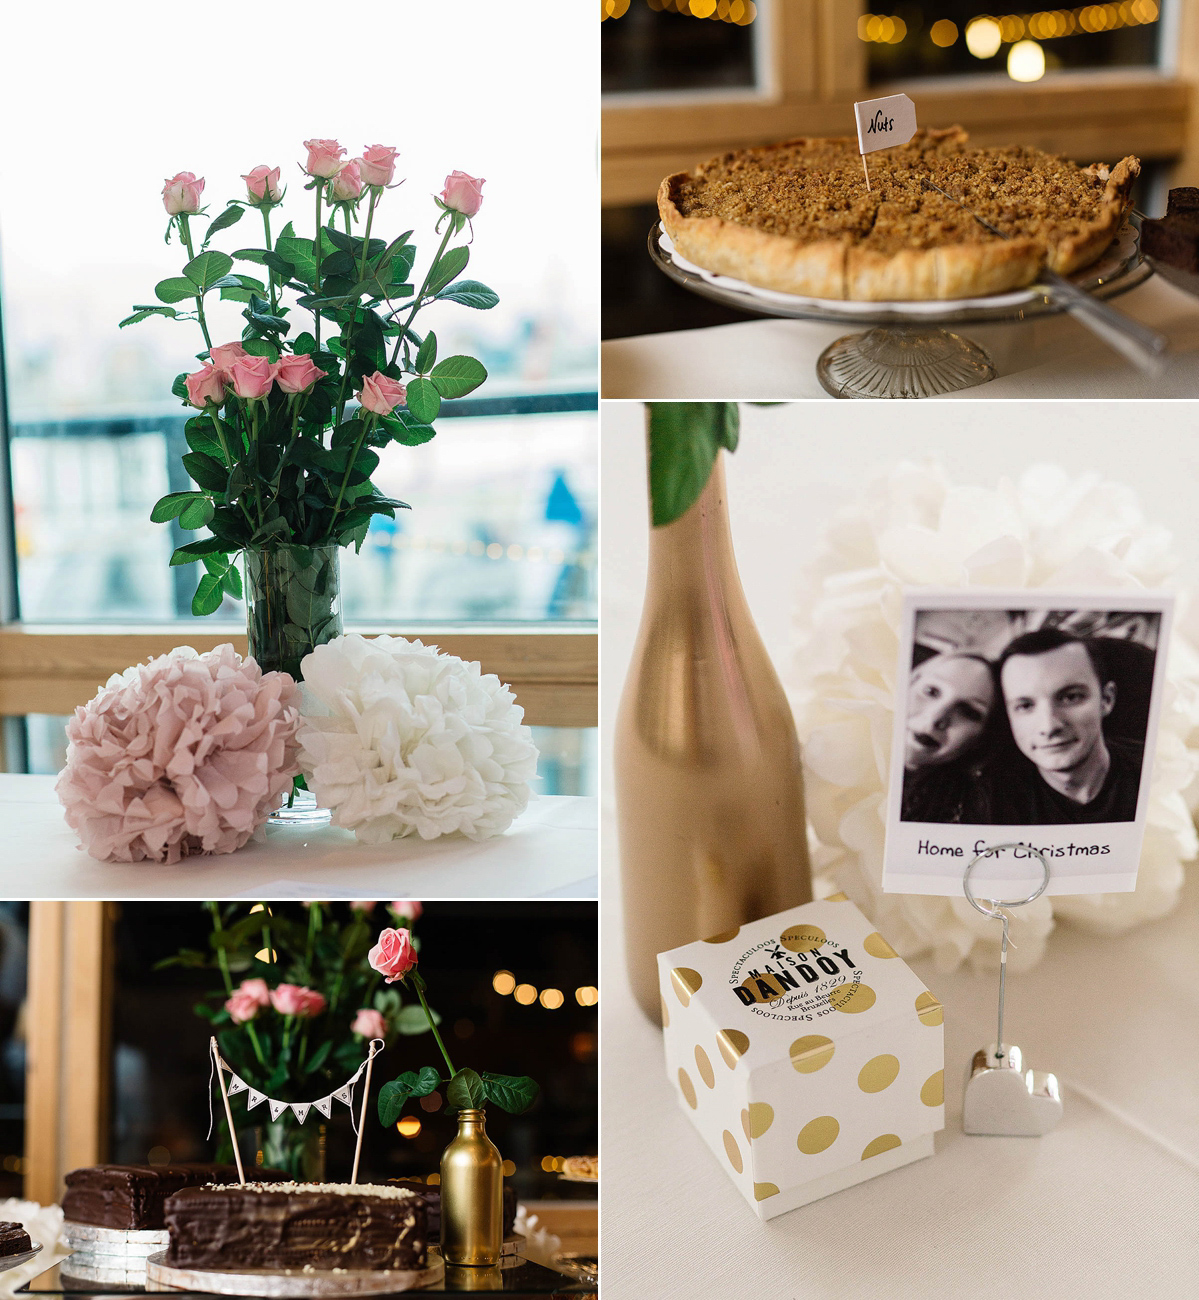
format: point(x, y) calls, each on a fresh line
point(907, 351)
point(301, 1283)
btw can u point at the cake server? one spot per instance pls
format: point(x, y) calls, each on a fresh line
point(1143, 346)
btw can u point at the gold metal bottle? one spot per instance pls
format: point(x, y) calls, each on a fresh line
point(472, 1198)
point(709, 784)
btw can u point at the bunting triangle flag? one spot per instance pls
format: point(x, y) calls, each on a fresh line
point(256, 1098)
point(346, 1094)
point(277, 1108)
point(300, 1109)
point(325, 1106)
point(237, 1085)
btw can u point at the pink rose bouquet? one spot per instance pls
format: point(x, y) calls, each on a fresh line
point(295, 1000)
point(279, 454)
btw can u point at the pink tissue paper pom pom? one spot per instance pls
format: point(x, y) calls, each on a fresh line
point(188, 753)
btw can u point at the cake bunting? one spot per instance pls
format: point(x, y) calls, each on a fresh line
point(300, 1109)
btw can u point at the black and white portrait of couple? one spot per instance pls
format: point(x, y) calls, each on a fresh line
point(1027, 717)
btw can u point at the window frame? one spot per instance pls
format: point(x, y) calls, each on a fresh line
point(817, 69)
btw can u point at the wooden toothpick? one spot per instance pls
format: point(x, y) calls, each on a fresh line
point(366, 1094)
point(867, 171)
point(220, 1074)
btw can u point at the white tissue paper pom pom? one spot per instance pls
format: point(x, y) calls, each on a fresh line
point(399, 739)
point(912, 526)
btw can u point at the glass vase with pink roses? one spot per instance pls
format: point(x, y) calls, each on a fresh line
point(329, 369)
point(296, 1009)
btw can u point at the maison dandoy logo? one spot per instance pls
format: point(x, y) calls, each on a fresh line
point(792, 977)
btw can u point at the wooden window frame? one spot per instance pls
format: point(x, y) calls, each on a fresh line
point(818, 68)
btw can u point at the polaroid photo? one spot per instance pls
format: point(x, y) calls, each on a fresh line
point(1023, 718)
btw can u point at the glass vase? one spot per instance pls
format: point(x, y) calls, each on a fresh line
point(293, 604)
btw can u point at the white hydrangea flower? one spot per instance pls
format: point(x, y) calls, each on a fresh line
point(399, 739)
point(913, 526)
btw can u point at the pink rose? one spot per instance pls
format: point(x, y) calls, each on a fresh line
point(294, 1000)
point(408, 908)
point(393, 956)
point(298, 374)
point(463, 193)
point(324, 158)
point(257, 990)
point(262, 184)
point(347, 184)
point(252, 377)
point(365, 908)
point(226, 354)
point(182, 193)
point(247, 1000)
point(378, 164)
point(369, 1023)
point(381, 394)
point(206, 387)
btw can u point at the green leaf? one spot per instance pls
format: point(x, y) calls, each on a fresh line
point(321, 1055)
point(140, 313)
point(179, 386)
point(457, 376)
point(424, 401)
point(411, 1020)
point(303, 344)
point(684, 440)
point(470, 293)
point(406, 429)
point(515, 1094)
point(400, 266)
point(393, 1095)
point(251, 255)
point(301, 253)
point(176, 289)
point(209, 595)
point(197, 514)
point(230, 217)
point(194, 551)
point(172, 505)
point(449, 266)
point(208, 472)
point(427, 354)
point(261, 348)
point(206, 269)
point(465, 1091)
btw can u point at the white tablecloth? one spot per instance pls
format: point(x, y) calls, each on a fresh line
point(1051, 356)
point(548, 852)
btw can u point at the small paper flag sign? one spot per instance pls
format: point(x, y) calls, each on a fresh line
point(345, 1094)
point(883, 123)
point(300, 1109)
point(237, 1085)
point(255, 1099)
point(277, 1108)
point(325, 1106)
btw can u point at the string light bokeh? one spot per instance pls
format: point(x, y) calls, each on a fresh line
point(739, 12)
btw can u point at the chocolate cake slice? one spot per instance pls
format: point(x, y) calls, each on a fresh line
point(317, 1226)
point(14, 1240)
point(131, 1197)
point(1174, 238)
point(432, 1199)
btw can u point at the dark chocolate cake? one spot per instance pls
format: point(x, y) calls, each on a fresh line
point(432, 1199)
point(317, 1226)
point(131, 1197)
point(1174, 238)
point(14, 1240)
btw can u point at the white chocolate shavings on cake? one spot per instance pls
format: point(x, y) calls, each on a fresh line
point(334, 1189)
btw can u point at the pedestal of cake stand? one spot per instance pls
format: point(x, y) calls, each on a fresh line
point(902, 361)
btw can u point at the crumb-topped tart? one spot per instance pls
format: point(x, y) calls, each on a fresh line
point(798, 217)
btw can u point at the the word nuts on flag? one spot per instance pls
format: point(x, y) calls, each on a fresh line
point(883, 123)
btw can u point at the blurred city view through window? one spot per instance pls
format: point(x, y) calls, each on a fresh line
point(503, 518)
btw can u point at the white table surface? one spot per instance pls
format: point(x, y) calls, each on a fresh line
point(1104, 1206)
point(550, 851)
point(1050, 356)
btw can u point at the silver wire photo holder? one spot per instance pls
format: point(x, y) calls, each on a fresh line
point(1003, 1098)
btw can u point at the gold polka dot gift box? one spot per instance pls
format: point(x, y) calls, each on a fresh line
point(808, 1055)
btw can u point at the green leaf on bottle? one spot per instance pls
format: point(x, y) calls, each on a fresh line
point(465, 1091)
point(394, 1095)
point(457, 376)
point(515, 1094)
point(684, 441)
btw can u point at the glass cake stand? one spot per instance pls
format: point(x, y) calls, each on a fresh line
point(907, 351)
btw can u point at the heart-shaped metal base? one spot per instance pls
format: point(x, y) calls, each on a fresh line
point(1006, 1100)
